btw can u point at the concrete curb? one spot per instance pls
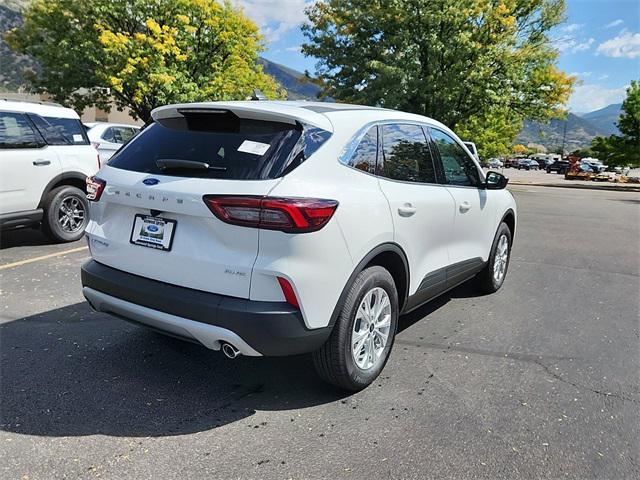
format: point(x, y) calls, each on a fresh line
point(584, 186)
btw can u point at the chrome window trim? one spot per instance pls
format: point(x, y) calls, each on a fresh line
point(350, 147)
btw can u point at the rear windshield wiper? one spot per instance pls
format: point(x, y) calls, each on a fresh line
point(177, 163)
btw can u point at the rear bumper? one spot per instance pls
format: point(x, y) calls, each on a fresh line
point(255, 328)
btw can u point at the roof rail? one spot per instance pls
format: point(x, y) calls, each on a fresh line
point(39, 102)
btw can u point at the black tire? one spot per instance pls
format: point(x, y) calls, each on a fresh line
point(58, 201)
point(548, 170)
point(334, 361)
point(485, 281)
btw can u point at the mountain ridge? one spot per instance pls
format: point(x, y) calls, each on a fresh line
point(605, 118)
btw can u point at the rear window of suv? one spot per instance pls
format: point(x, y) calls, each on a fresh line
point(224, 145)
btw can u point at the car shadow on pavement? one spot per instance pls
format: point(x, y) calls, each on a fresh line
point(72, 371)
point(23, 237)
point(465, 290)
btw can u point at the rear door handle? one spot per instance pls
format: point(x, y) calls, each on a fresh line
point(406, 210)
point(465, 207)
point(41, 163)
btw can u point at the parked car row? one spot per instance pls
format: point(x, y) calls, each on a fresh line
point(47, 155)
point(522, 164)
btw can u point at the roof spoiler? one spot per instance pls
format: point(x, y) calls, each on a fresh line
point(262, 110)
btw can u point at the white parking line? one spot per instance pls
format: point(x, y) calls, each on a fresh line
point(43, 257)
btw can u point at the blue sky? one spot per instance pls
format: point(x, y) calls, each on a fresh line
point(599, 43)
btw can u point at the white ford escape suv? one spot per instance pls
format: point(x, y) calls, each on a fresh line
point(279, 228)
point(45, 158)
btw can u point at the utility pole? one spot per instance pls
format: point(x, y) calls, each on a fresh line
point(564, 138)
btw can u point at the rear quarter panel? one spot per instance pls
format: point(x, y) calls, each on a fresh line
point(319, 264)
point(78, 158)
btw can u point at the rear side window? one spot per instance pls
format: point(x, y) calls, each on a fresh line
point(459, 168)
point(366, 153)
point(16, 132)
point(61, 131)
point(406, 154)
point(224, 145)
point(118, 134)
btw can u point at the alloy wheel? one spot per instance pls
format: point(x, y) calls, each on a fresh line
point(371, 329)
point(71, 214)
point(501, 259)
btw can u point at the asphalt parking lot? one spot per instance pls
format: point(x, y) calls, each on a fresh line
point(540, 380)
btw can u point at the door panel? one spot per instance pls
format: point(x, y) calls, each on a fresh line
point(26, 166)
point(473, 211)
point(421, 210)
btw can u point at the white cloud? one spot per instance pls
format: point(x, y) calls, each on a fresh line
point(626, 45)
point(572, 27)
point(587, 98)
point(581, 74)
point(582, 46)
point(573, 45)
point(615, 23)
point(294, 49)
point(603, 77)
point(275, 17)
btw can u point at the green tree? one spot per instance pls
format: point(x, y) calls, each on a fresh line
point(142, 54)
point(583, 153)
point(496, 140)
point(481, 66)
point(629, 122)
point(623, 149)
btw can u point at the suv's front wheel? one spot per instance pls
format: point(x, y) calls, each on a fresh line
point(361, 340)
point(491, 278)
point(65, 214)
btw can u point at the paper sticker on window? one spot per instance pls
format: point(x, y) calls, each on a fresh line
point(256, 148)
point(77, 138)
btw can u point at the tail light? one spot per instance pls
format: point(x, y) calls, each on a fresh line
point(96, 145)
point(95, 187)
point(289, 294)
point(290, 215)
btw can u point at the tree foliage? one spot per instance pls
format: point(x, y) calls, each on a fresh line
point(520, 149)
point(479, 65)
point(148, 53)
point(623, 149)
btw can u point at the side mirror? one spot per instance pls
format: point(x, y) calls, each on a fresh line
point(495, 181)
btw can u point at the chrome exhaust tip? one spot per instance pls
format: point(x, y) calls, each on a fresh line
point(229, 350)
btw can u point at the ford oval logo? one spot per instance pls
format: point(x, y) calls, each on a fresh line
point(151, 181)
point(152, 228)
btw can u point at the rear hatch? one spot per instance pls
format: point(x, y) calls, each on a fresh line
point(150, 218)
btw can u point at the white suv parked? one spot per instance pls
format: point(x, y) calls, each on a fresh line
point(279, 228)
point(45, 158)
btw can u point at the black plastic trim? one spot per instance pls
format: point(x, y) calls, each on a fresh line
point(513, 214)
point(382, 248)
point(442, 280)
point(59, 178)
point(19, 219)
point(271, 328)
